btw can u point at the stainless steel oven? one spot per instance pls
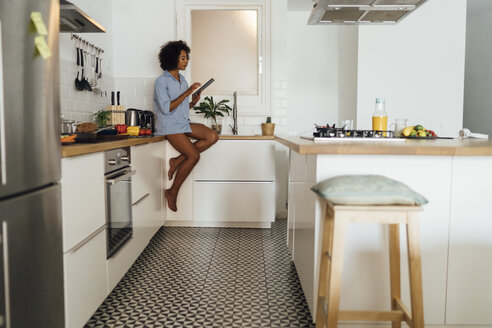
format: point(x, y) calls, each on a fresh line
point(118, 176)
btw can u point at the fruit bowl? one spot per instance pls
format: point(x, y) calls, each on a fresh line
point(418, 132)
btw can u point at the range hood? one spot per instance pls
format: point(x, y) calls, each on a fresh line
point(74, 20)
point(361, 11)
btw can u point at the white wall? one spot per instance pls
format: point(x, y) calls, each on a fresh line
point(478, 71)
point(141, 28)
point(80, 105)
point(312, 54)
point(417, 65)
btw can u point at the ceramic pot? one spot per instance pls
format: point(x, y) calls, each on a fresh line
point(217, 128)
point(267, 129)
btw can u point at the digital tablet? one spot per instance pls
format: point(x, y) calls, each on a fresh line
point(203, 87)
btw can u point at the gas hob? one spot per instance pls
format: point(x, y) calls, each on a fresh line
point(329, 134)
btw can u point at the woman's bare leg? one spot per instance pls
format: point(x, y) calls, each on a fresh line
point(181, 142)
point(205, 136)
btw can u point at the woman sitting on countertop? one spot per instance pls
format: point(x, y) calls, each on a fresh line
point(171, 105)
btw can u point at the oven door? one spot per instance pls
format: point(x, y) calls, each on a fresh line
point(119, 208)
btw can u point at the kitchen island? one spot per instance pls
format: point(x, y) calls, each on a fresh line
point(454, 175)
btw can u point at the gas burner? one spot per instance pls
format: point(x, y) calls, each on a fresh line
point(333, 132)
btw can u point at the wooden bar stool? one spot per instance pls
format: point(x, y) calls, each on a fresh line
point(369, 199)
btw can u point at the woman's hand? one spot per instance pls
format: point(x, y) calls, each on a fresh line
point(175, 103)
point(192, 88)
point(194, 99)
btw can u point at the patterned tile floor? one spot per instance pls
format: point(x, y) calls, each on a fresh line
point(209, 277)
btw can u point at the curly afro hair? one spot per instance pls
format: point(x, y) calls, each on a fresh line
point(169, 54)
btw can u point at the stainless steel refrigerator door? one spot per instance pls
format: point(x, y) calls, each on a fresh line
point(32, 254)
point(29, 140)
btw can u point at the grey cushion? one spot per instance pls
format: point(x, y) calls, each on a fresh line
point(367, 190)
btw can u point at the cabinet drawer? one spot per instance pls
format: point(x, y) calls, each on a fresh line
point(147, 216)
point(237, 160)
point(85, 280)
point(83, 199)
point(234, 201)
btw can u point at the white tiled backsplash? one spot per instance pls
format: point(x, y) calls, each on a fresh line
point(81, 105)
point(138, 93)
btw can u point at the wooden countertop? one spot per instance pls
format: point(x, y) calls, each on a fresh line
point(88, 148)
point(438, 147)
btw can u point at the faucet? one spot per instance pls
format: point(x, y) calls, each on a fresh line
point(234, 113)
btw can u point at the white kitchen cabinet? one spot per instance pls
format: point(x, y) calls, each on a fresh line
point(235, 184)
point(469, 283)
point(83, 198)
point(237, 160)
point(147, 188)
point(85, 284)
point(238, 202)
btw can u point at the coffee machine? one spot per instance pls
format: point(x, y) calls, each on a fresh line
point(148, 120)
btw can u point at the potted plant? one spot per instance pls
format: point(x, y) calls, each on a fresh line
point(212, 109)
point(102, 117)
point(268, 128)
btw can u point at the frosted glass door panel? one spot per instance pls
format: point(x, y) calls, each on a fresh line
point(225, 46)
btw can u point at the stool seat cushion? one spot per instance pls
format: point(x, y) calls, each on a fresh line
point(367, 190)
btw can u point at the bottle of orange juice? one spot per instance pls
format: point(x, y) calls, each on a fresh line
point(379, 117)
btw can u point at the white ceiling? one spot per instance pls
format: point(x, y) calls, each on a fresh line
point(300, 5)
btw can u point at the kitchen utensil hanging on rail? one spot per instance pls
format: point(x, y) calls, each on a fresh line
point(89, 66)
point(78, 80)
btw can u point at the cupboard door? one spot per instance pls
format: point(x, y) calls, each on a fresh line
point(143, 224)
point(85, 280)
point(238, 160)
point(156, 185)
point(83, 199)
point(147, 184)
point(234, 201)
point(469, 283)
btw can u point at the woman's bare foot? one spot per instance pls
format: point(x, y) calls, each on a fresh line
point(171, 200)
point(173, 165)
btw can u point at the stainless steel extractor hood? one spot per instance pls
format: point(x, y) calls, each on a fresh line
point(74, 20)
point(361, 11)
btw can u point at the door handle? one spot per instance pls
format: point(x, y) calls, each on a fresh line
point(141, 199)
point(3, 152)
point(6, 280)
point(121, 177)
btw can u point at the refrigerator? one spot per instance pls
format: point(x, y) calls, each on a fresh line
point(31, 259)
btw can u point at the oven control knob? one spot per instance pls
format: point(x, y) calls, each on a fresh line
point(111, 161)
point(125, 158)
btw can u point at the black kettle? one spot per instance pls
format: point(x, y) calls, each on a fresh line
point(148, 121)
point(133, 117)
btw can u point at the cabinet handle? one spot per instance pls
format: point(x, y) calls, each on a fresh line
point(122, 177)
point(6, 280)
point(86, 239)
point(141, 199)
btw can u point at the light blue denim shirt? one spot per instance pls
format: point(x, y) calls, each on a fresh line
point(166, 89)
